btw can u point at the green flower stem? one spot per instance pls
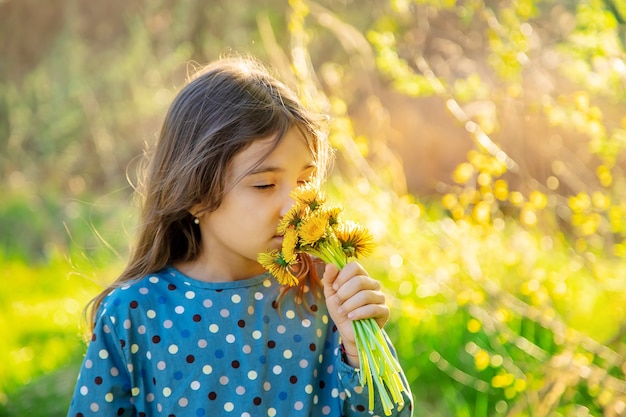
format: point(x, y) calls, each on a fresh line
point(378, 366)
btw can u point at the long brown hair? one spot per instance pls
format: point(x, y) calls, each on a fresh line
point(223, 108)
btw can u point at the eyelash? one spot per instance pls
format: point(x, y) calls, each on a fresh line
point(270, 186)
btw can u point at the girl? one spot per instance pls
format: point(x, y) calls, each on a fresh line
point(194, 325)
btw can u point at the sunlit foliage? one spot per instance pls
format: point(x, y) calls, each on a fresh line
point(505, 272)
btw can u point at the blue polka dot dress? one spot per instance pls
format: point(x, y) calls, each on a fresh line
point(169, 345)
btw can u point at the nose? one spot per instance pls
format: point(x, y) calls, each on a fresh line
point(286, 203)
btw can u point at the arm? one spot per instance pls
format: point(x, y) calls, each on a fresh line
point(103, 385)
point(351, 294)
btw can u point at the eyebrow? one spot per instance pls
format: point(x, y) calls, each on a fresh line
point(265, 169)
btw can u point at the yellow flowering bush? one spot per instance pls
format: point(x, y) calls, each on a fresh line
point(313, 226)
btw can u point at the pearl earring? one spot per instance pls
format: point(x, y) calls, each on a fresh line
point(196, 220)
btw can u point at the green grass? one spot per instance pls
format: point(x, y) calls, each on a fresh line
point(41, 325)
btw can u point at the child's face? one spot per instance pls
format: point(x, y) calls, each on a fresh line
point(245, 222)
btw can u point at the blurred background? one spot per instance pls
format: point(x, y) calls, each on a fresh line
point(481, 141)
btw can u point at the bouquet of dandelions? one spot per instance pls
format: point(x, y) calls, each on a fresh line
point(314, 227)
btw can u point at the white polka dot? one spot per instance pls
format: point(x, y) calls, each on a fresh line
point(167, 391)
point(281, 329)
point(84, 390)
point(161, 365)
point(202, 343)
point(240, 390)
point(330, 369)
point(214, 328)
point(108, 397)
point(258, 296)
point(134, 392)
point(190, 295)
point(304, 363)
point(246, 349)
point(358, 389)
point(183, 402)
point(173, 349)
point(113, 320)
point(277, 369)
point(167, 324)
point(230, 338)
point(267, 386)
point(271, 412)
point(151, 314)
point(252, 375)
point(179, 309)
point(141, 329)
point(103, 354)
point(224, 380)
point(94, 407)
point(236, 298)
point(315, 399)
point(159, 408)
point(228, 407)
point(130, 367)
point(325, 319)
point(224, 313)
point(290, 314)
point(256, 335)
point(134, 348)
point(126, 324)
point(207, 303)
point(150, 397)
point(326, 410)
point(308, 389)
point(148, 355)
point(287, 354)
point(306, 323)
point(298, 405)
point(207, 369)
point(319, 332)
point(143, 290)
point(106, 328)
point(88, 364)
point(114, 371)
point(251, 310)
point(153, 280)
point(334, 393)
point(267, 283)
point(245, 414)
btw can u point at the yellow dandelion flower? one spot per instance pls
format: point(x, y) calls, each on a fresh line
point(290, 244)
point(332, 213)
point(355, 239)
point(276, 264)
point(312, 229)
point(309, 195)
point(291, 219)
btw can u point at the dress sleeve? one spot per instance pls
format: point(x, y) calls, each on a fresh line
point(356, 398)
point(103, 387)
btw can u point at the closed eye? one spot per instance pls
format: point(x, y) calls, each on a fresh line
point(264, 186)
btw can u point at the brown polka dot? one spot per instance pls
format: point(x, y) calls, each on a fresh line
point(293, 379)
point(212, 395)
point(98, 380)
point(190, 358)
point(134, 304)
point(197, 318)
point(312, 347)
point(271, 344)
point(171, 287)
point(257, 401)
point(235, 364)
point(241, 323)
point(156, 339)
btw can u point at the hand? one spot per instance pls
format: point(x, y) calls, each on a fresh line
point(351, 294)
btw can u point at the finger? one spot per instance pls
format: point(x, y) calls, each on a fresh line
point(330, 274)
point(378, 312)
point(360, 300)
point(347, 272)
point(355, 285)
